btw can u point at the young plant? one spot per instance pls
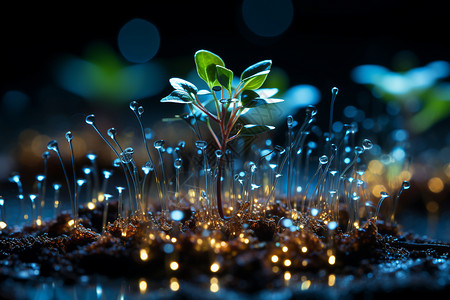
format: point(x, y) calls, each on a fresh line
point(230, 102)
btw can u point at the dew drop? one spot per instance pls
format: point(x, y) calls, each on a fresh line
point(112, 133)
point(406, 185)
point(140, 110)
point(147, 167)
point(53, 145)
point(367, 144)
point(91, 156)
point(311, 111)
point(359, 150)
point(69, 136)
point(134, 105)
point(90, 120)
point(116, 163)
point(46, 155)
point(323, 160)
point(290, 122)
point(218, 153)
point(384, 195)
point(177, 163)
point(159, 144)
point(201, 144)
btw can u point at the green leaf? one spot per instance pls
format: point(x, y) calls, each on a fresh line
point(206, 63)
point(225, 77)
point(256, 68)
point(252, 129)
point(177, 96)
point(251, 99)
point(183, 85)
point(255, 81)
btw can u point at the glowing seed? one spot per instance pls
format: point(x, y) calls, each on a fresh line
point(287, 262)
point(304, 249)
point(142, 286)
point(274, 258)
point(174, 285)
point(287, 275)
point(174, 266)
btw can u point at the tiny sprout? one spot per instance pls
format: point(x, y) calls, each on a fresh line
point(218, 153)
point(334, 91)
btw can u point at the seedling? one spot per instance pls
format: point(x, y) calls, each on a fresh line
point(230, 102)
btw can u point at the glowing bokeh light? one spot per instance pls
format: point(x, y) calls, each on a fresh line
point(138, 40)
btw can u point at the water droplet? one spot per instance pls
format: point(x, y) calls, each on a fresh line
point(406, 185)
point(359, 150)
point(81, 182)
point(147, 167)
point(176, 215)
point(367, 144)
point(384, 195)
point(90, 119)
point(201, 144)
point(91, 156)
point(116, 163)
point(253, 168)
point(218, 153)
point(290, 122)
point(112, 133)
point(46, 155)
point(177, 163)
point(158, 144)
point(334, 91)
point(69, 136)
point(56, 186)
point(129, 150)
point(311, 111)
point(323, 160)
point(133, 105)
point(140, 110)
point(53, 145)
